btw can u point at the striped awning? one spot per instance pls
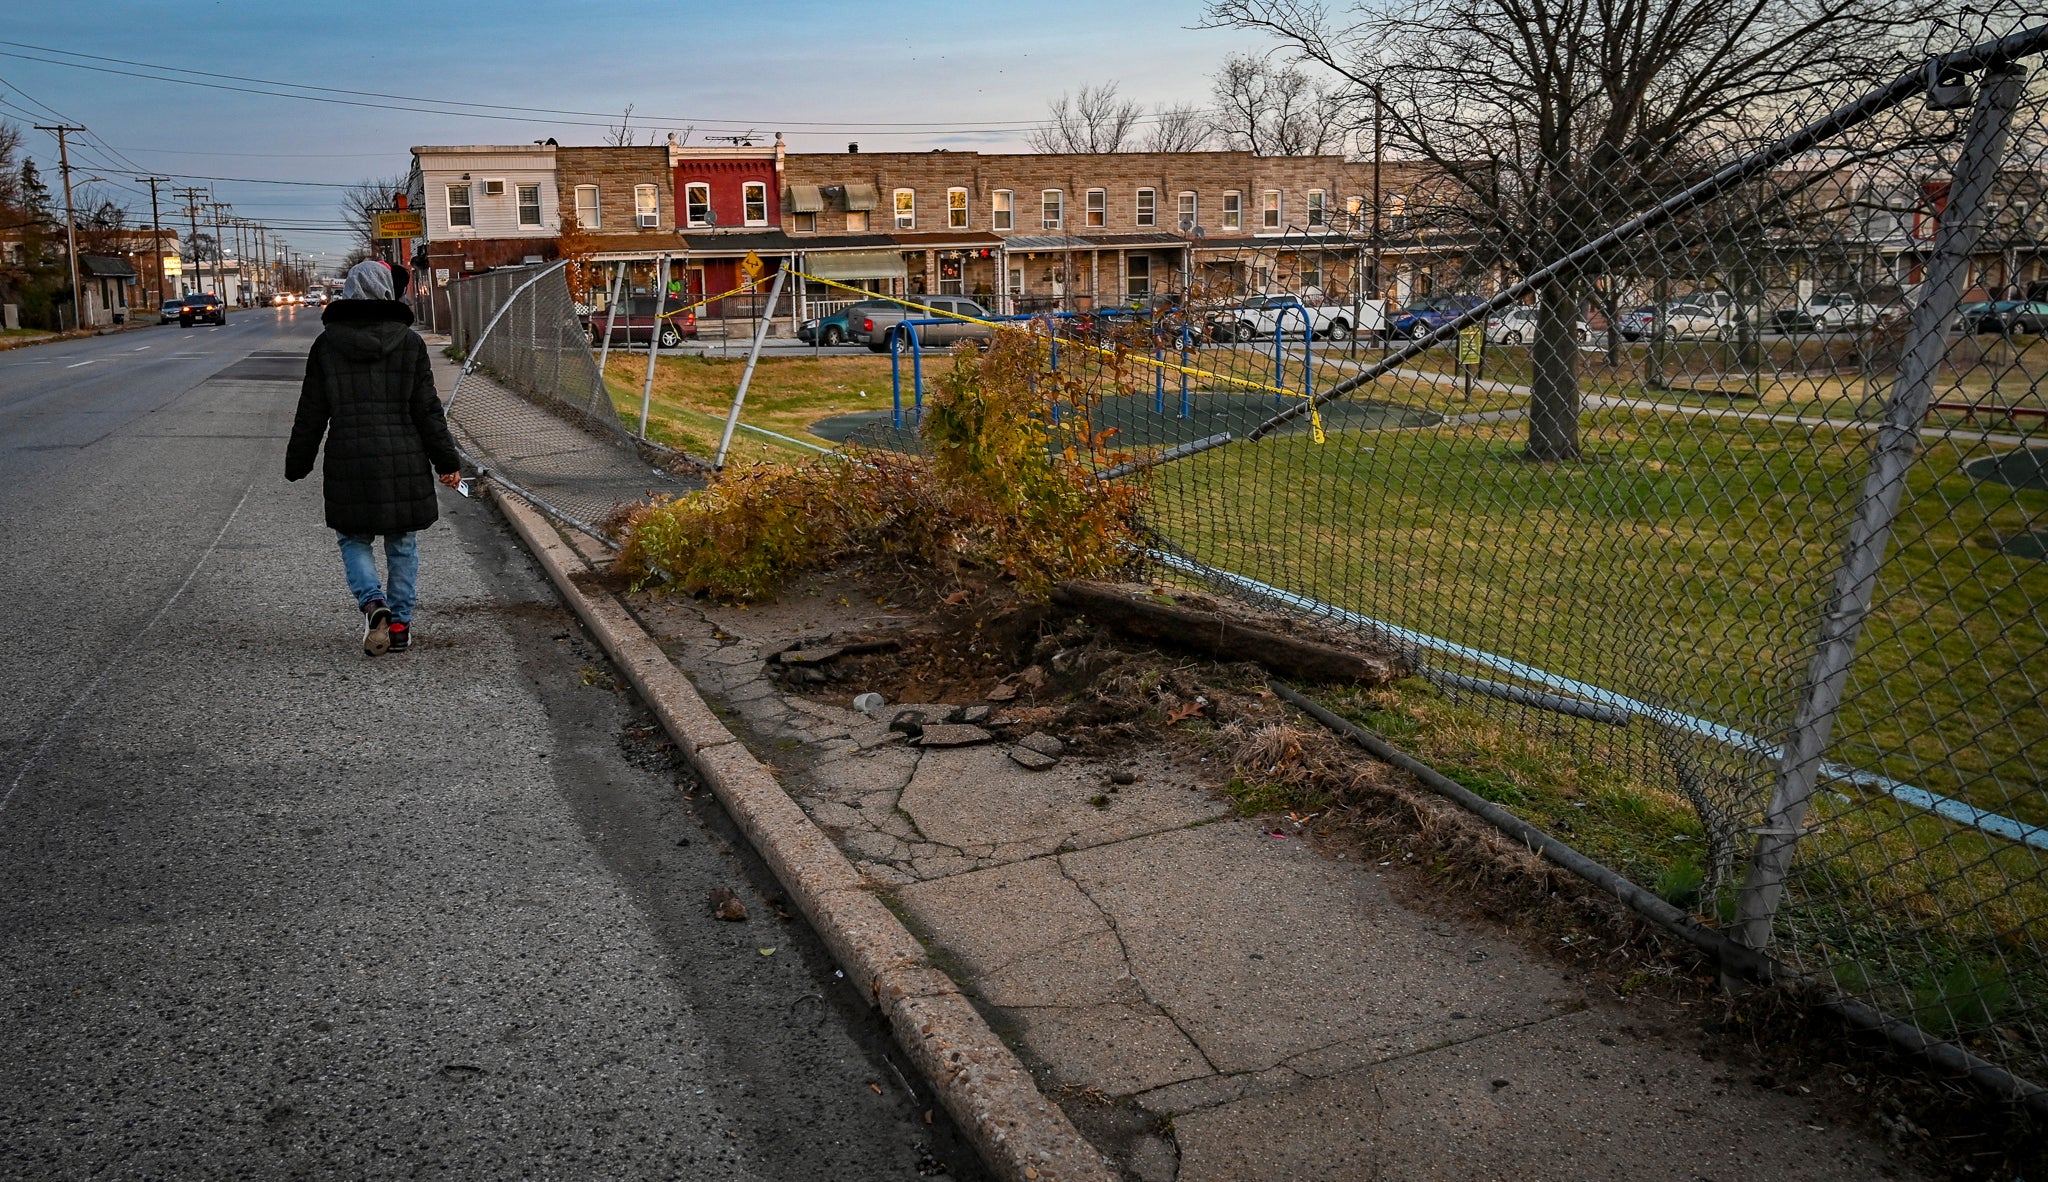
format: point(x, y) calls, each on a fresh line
point(843, 265)
point(862, 197)
point(806, 199)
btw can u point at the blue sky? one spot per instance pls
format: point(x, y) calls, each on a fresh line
point(965, 68)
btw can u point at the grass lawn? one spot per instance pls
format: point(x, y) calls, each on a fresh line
point(693, 394)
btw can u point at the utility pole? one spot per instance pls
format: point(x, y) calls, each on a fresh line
point(191, 196)
point(156, 232)
point(220, 262)
point(70, 220)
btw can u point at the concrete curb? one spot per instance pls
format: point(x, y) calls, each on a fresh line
point(1022, 1136)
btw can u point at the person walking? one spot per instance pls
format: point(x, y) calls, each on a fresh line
point(369, 389)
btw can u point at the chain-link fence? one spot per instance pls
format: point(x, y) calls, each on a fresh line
point(532, 408)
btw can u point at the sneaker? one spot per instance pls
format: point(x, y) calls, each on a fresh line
point(401, 636)
point(376, 628)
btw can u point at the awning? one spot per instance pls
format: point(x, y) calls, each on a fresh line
point(856, 264)
point(104, 266)
point(859, 197)
point(805, 199)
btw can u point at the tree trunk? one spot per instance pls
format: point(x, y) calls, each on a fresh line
point(1554, 389)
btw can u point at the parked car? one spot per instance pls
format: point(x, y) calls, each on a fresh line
point(1841, 310)
point(206, 307)
point(837, 329)
point(1517, 326)
point(170, 311)
point(2005, 317)
point(634, 324)
point(1430, 313)
point(877, 326)
point(1636, 323)
point(1255, 319)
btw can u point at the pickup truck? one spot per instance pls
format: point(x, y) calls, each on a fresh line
point(875, 326)
point(1255, 318)
point(634, 324)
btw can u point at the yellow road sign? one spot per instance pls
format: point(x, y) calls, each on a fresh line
point(1470, 342)
point(752, 266)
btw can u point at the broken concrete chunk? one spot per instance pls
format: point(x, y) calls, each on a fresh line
point(1025, 757)
point(810, 656)
point(1123, 776)
point(975, 714)
point(726, 905)
point(907, 722)
point(1043, 743)
point(1001, 693)
point(952, 734)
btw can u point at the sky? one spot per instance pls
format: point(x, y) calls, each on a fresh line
point(906, 75)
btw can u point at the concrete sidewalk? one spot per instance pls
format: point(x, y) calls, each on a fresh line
point(1212, 999)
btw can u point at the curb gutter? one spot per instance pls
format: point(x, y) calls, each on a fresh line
point(1021, 1135)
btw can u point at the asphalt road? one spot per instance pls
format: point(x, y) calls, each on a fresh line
point(272, 909)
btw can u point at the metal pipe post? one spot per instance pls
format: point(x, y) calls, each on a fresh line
point(611, 313)
point(739, 397)
point(1869, 536)
point(653, 341)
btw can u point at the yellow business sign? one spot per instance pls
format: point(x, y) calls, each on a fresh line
point(173, 266)
point(404, 223)
point(1470, 342)
point(752, 266)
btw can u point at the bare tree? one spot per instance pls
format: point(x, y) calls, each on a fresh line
point(360, 204)
point(1094, 121)
point(1180, 127)
point(1556, 118)
point(1278, 110)
point(621, 136)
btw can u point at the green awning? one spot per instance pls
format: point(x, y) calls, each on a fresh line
point(856, 264)
point(862, 197)
point(805, 199)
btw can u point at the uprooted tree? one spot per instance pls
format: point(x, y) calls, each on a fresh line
point(1558, 119)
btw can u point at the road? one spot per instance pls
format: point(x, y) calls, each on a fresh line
point(270, 908)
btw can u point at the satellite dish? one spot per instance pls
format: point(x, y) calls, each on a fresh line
point(1198, 233)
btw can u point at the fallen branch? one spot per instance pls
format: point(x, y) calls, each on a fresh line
point(1155, 617)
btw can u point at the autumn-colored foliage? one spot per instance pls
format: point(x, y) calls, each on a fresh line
point(1001, 485)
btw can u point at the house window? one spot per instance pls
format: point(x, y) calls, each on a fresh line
point(1308, 272)
point(754, 202)
point(856, 221)
point(1233, 211)
point(646, 207)
point(697, 204)
point(1318, 213)
point(804, 223)
point(1098, 208)
point(956, 209)
point(529, 205)
point(1016, 281)
point(1148, 207)
point(1187, 212)
point(589, 215)
point(906, 209)
point(458, 206)
point(1272, 209)
point(1397, 214)
point(1138, 275)
point(1002, 210)
point(1052, 207)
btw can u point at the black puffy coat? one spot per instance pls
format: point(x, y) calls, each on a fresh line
point(370, 389)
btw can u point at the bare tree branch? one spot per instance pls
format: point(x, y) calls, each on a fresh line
point(1180, 127)
point(1094, 121)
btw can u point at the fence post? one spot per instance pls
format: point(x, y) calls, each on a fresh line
point(611, 314)
point(739, 397)
point(1898, 439)
point(653, 339)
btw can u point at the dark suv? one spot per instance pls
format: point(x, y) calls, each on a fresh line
point(202, 307)
point(634, 323)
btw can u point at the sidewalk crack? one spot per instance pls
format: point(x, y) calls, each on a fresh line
point(1124, 951)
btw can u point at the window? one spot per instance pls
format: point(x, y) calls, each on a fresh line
point(1318, 213)
point(804, 223)
point(589, 215)
point(1148, 208)
point(1271, 214)
point(1052, 207)
point(1188, 206)
point(1138, 275)
point(646, 207)
point(1397, 214)
point(1002, 211)
point(1098, 208)
point(1308, 272)
point(529, 205)
point(956, 209)
point(856, 221)
point(1016, 281)
point(697, 204)
point(458, 206)
point(754, 203)
point(1233, 211)
point(906, 209)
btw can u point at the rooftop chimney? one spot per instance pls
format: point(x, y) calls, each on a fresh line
point(853, 149)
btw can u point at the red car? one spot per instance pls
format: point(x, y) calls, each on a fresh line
point(634, 324)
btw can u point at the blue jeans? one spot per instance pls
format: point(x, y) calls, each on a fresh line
point(401, 559)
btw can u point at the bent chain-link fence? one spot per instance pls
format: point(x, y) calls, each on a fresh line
point(532, 409)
